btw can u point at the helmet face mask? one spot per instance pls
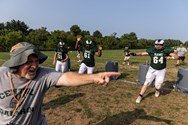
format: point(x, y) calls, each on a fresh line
point(61, 44)
point(159, 44)
point(88, 44)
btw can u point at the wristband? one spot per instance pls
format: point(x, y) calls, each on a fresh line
point(134, 54)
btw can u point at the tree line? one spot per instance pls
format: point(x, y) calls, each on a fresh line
point(15, 31)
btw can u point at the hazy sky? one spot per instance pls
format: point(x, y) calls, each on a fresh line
point(149, 19)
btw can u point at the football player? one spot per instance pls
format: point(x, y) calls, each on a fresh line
point(159, 56)
point(127, 55)
point(61, 58)
point(89, 51)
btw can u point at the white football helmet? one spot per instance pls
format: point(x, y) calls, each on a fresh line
point(61, 43)
point(126, 48)
point(159, 41)
point(88, 42)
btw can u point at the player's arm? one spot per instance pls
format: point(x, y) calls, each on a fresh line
point(66, 58)
point(185, 51)
point(99, 52)
point(76, 45)
point(139, 54)
point(55, 58)
point(78, 40)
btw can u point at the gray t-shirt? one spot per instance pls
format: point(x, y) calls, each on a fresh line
point(181, 51)
point(30, 109)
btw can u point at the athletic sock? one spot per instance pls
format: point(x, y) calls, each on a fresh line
point(140, 95)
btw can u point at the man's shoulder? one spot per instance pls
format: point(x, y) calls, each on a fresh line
point(46, 71)
point(3, 68)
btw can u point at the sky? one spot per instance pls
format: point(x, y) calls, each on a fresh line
point(149, 19)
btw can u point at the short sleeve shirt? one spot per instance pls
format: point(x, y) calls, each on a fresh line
point(158, 57)
point(29, 111)
point(181, 51)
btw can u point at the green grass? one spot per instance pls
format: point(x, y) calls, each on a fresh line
point(115, 104)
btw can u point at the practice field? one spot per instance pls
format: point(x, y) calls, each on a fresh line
point(115, 104)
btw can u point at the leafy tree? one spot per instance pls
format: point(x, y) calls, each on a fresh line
point(54, 39)
point(99, 41)
point(114, 34)
point(97, 34)
point(144, 43)
point(17, 26)
point(172, 43)
point(110, 42)
point(13, 37)
point(85, 33)
point(75, 30)
point(71, 40)
point(39, 37)
point(186, 44)
point(129, 40)
point(3, 46)
point(15, 31)
point(2, 26)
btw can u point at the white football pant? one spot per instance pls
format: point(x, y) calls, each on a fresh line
point(158, 75)
point(84, 68)
point(61, 66)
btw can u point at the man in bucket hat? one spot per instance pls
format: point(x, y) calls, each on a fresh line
point(23, 85)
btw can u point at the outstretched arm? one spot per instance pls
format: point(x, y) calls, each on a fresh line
point(140, 54)
point(76, 79)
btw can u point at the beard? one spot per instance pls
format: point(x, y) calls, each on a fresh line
point(30, 77)
point(31, 73)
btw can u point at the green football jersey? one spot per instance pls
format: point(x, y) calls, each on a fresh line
point(88, 56)
point(61, 53)
point(158, 57)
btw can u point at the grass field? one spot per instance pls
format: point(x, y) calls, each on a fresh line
point(115, 104)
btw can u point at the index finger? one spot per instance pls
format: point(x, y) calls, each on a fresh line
point(112, 73)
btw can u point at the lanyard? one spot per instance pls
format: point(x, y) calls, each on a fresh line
point(13, 94)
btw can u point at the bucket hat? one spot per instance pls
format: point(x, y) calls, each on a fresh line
point(19, 54)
